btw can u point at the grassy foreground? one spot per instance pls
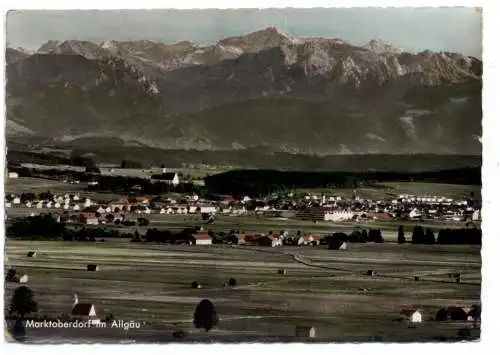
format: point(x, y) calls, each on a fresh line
point(150, 284)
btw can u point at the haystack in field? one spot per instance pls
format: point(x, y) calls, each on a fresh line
point(195, 284)
point(232, 282)
point(370, 273)
point(31, 254)
point(92, 267)
point(305, 331)
point(282, 272)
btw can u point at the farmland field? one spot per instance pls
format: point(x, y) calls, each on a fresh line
point(150, 284)
point(390, 190)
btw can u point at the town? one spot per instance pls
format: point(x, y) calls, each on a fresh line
point(107, 206)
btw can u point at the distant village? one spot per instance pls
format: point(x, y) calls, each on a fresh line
point(78, 209)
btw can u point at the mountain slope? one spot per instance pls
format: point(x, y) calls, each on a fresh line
point(264, 89)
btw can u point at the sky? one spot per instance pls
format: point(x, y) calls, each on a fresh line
point(412, 29)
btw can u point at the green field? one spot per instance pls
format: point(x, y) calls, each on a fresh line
point(150, 284)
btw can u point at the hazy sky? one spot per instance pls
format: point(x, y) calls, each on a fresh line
point(447, 29)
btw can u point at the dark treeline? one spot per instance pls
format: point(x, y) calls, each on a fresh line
point(127, 184)
point(112, 183)
point(460, 236)
point(44, 226)
point(19, 157)
point(255, 158)
point(130, 164)
point(267, 181)
point(47, 226)
point(447, 236)
point(370, 236)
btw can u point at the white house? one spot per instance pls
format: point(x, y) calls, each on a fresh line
point(412, 316)
point(476, 215)
point(415, 213)
point(169, 178)
point(12, 175)
point(338, 215)
point(16, 201)
point(208, 209)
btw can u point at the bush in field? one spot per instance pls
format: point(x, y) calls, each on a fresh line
point(375, 236)
point(401, 235)
point(357, 237)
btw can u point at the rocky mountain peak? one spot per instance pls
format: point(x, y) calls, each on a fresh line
point(379, 47)
point(199, 97)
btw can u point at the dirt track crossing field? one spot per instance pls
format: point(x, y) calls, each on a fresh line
point(151, 284)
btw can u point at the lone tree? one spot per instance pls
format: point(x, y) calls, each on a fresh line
point(418, 236)
point(205, 315)
point(364, 236)
point(401, 235)
point(430, 238)
point(23, 302)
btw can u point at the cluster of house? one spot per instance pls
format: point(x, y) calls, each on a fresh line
point(307, 207)
point(336, 208)
point(66, 202)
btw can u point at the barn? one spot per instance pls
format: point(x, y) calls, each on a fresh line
point(411, 315)
point(92, 267)
point(200, 238)
point(305, 331)
point(84, 312)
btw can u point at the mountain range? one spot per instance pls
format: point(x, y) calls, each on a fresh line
point(265, 90)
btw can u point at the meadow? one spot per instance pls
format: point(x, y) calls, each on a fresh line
point(150, 284)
